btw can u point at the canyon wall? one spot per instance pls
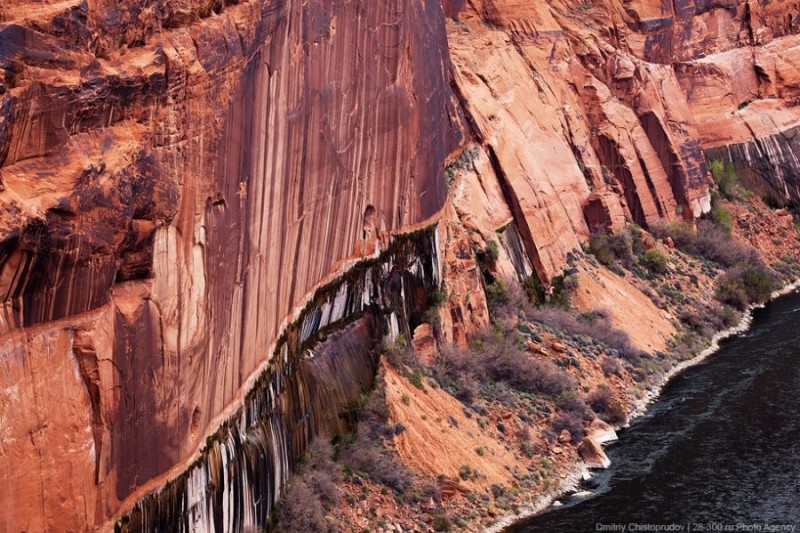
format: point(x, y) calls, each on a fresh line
point(178, 179)
point(598, 112)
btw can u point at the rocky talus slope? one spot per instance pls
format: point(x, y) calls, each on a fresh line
point(195, 194)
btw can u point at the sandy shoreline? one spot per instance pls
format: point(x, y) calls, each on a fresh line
point(640, 406)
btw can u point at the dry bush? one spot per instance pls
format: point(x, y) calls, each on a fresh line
point(321, 472)
point(366, 456)
point(710, 318)
point(611, 366)
point(500, 357)
point(401, 354)
point(571, 402)
point(596, 325)
point(365, 453)
point(430, 491)
point(497, 356)
point(456, 373)
point(301, 511)
point(709, 241)
point(600, 400)
point(607, 406)
point(572, 422)
point(311, 493)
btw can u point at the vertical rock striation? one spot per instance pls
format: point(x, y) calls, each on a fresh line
point(183, 183)
point(178, 178)
point(311, 382)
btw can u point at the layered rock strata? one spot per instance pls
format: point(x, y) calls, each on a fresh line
point(177, 179)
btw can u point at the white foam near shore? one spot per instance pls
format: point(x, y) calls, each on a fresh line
point(568, 484)
point(571, 482)
point(641, 405)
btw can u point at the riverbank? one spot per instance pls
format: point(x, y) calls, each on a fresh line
point(476, 428)
point(700, 454)
point(640, 407)
point(568, 485)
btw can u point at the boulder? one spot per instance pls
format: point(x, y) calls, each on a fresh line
point(601, 432)
point(592, 454)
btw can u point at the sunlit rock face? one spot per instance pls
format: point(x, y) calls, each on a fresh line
point(321, 367)
point(177, 179)
point(599, 112)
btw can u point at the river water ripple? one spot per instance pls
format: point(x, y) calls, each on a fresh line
point(719, 450)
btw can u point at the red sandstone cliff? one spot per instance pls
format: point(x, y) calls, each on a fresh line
point(176, 178)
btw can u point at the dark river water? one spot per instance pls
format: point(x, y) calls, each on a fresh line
point(719, 451)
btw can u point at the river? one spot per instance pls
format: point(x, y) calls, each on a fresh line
point(718, 451)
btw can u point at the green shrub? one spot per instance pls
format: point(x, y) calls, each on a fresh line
point(534, 289)
point(441, 523)
point(615, 414)
point(492, 251)
point(637, 244)
point(722, 219)
point(463, 161)
point(497, 292)
point(563, 287)
point(727, 316)
point(438, 296)
point(744, 285)
point(504, 299)
point(599, 248)
point(654, 261)
point(726, 179)
point(526, 448)
point(610, 249)
point(415, 378)
point(498, 491)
